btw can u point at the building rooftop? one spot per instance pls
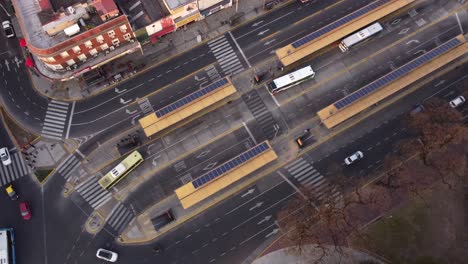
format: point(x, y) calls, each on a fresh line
point(47, 24)
point(173, 4)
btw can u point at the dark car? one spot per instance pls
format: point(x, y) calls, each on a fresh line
point(300, 141)
point(163, 219)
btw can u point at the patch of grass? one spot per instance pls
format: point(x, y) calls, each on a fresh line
point(399, 238)
point(22, 136)
point(41, 174)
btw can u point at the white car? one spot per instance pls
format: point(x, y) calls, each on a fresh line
point(107, 255)
point(5, 156)
point(9, 32)
point(457, 101)
point(353, 158)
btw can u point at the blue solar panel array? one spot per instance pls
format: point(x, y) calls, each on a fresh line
point(386, 79)
point(338, 23)
point(244, 157)
point(191, 97)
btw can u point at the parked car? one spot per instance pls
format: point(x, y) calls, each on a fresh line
point(457, 101)
point(8, 28)
point(354, 157)
point(25, 210)
point(163, 219)
point(107, 255)
point(11, 192)
point(5, 156)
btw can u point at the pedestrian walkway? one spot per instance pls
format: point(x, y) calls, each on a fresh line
point(119, 217)
point(69, 165)
point(225, 55)
point(261, 113)
point(306, 175)
point(55, 120)
point(93, 193)
point(15, 170)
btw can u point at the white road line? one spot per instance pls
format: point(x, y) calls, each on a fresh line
point(272, 96)
point(250, 133)
point(70, 120)
point(238, 47)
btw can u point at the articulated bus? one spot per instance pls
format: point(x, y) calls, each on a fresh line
point(287, 81)
point(121, 170)
point(7, 246)
point(359, 36)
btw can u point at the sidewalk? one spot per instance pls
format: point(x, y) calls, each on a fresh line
point(170, 45)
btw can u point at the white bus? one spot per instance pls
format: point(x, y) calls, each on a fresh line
point(7, 246)
point(359, 36)
point(289, 80)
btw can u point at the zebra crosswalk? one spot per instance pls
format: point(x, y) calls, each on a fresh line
point(304, 173)
point(15, 170)
point(225, 55)
point(68, 166)
point(54, 122)
point(93, 193)
point(261, 113)
point(119, 217)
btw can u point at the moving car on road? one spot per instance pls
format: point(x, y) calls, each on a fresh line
point(353, 158)
point(457, 101)
point(107, 255)
point(11, 192)
point(25, 210)
point(5, 156)
point(8, 28)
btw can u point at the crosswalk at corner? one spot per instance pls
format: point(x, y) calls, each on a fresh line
point(68, 166)
point(225, 55)
point(93, 193)
point(15, 170)
point(120, 217)
point(306, 175)
point(55, 120)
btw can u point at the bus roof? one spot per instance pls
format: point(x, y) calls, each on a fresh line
point(293, 76)
point(3, 246)
point(362, 34)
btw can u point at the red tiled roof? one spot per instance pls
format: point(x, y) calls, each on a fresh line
point(105, 6)
point(44, 4)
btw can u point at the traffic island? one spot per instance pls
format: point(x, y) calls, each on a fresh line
point(95, 223)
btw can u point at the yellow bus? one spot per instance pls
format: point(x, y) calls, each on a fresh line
point(121, 170)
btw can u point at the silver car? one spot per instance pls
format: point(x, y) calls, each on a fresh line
point(107, 255)
point(5, 156)
point(353, 158)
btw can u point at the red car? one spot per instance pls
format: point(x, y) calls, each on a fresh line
point(25, 211)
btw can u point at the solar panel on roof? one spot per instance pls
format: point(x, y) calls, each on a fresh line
point(191, 97)
point(395, 74)
point(300, 42)
point(226, 167)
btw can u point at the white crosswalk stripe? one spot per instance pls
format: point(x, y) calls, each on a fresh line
point(93, 193)
point(119, 217)
point(226, 56)
point(69, 165)
point(15, 170)
point(54, 121)
point(309, 177)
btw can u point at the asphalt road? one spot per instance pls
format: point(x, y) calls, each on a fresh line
point(228, 232)
point(77, 247)
point(95, 114)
